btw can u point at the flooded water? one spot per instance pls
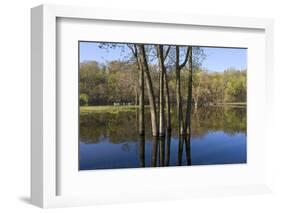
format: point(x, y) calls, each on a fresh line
point(110, 140)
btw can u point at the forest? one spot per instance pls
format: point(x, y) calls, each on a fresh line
point(116, 82)
point(163, 78)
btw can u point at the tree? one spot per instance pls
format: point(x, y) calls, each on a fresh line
point(135, 53)
point(218, 87)
point(84, 99)
point(197, 91)
point(141, 99)
point(236, 86)
point(160, 56)
point(178, 67)
point(167, 97)
point(92, 82)
point(189, 95)
point(150, 91)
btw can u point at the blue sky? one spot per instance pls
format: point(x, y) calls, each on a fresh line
point(217, 59)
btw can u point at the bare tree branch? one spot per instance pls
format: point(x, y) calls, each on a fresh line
point(186, 58)
point(167, 52)
point(133, 49)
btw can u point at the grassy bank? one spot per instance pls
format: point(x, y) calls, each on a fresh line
point(133, 108)
point(109, 109)
point(233, 104)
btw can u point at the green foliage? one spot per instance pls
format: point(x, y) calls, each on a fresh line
point(236, 86)
point(117, 83)
point(106, 84)
point(83, 99)
point(219, 87)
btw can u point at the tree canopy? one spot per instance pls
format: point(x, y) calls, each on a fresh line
point(116, 82)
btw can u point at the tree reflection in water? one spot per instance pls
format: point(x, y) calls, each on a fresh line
point(218, 135)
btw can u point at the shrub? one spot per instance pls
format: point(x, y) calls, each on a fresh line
point(83, 99)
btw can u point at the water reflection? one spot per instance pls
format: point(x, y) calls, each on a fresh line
point(154, 151)
point(160, 155)
point(187, 149)
point(168, 148)
point(217, 136)
point(142, 150)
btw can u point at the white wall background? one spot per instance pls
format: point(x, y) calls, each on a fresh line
point(15, 105)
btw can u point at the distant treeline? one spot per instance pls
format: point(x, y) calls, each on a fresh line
point(117, 83)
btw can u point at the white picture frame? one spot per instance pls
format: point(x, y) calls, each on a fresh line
point(45, 169)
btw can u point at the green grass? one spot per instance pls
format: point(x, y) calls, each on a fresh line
point(132, 108)
point(238, 103)
point(233, 104)
point(108, 109)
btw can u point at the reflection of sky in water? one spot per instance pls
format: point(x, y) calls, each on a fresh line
point(213, 148)
point(107, 140)
point(219, 148)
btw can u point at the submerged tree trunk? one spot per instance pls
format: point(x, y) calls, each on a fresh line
point(189, 96)
point(150, 91)
point(178, 88)
point(141, 102)
point(167, 97)
point(178, 93)
point(168, 104)
point(161, 90)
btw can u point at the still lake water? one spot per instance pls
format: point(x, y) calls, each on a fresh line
point(110, 140)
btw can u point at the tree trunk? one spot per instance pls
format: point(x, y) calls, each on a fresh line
point(161, 90)
point(168, 104)
point(137, 95)
point(150, 91)
point(189, 96)
point(140, 89)
point(141, 102)
point(178, 94)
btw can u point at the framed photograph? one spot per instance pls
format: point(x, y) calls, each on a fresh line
point(130, 106)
